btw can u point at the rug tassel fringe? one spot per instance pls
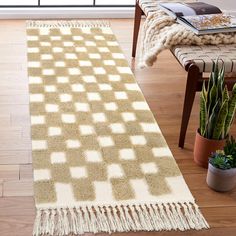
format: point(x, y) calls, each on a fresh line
point(68, 23)
point(148, 217)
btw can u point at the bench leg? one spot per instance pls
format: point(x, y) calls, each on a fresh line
point(191, 89)
point(137, 20)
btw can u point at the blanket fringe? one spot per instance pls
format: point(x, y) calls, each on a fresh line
point(123, 218)
point(66, 23)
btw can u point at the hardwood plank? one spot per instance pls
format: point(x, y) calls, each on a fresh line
point(11, 132)
point(9, 172)
point(14, 109)
point(196, 181)
point(16, 188)
point(1, 188)
point(17, 144)
point(229, 231)
point(16, 225)
point(14, 99)
point(15, 139)
point(21, 120)
point(10, 66)
point(226, 217)
point(5, 120)
point(14, 205)
point(16, 216)
point(187, 166)
point(8, 157)
point(210, 198)
point(26, 172)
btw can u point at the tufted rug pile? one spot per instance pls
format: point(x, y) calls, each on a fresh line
point(100, 161)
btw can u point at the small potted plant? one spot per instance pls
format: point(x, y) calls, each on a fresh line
point(221, 175)
point(217, 110)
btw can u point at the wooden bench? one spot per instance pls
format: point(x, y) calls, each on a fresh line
point(196, 60)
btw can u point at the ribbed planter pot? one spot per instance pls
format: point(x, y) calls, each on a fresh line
point(221, 180)
point(203, 148)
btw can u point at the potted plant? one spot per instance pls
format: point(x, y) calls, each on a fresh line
point(217, 110)
point(221, 175)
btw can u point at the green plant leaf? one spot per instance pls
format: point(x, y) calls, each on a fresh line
point(225, 95)
point(218, 132)
point(216, 71)
point(209, 86)
point(204, 91)
point(231, 112)
point(212, 99)
point(203, 113)
point(220, 82)
point(211, 123)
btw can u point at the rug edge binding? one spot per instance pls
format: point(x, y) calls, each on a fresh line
point(143, 217)
point(66, 23)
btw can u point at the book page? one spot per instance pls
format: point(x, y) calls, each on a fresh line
point(213, 21)
point(189, 9)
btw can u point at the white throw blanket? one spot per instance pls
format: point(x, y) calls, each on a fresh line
point(161, 31)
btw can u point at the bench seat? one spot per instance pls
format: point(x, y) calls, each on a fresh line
point(205, 56)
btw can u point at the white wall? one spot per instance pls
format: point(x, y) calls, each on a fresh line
point(29, 13)
point(54, 13)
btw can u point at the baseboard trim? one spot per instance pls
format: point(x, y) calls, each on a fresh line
point(49, 13)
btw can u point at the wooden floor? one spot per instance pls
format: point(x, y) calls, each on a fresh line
point(163, 86)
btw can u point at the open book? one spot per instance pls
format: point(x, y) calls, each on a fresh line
point(200, 17)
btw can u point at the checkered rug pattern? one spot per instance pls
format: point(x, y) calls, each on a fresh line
point(100, 161)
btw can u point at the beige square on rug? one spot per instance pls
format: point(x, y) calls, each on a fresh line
point(100, 161)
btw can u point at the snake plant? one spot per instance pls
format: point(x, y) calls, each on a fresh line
point(217, 108)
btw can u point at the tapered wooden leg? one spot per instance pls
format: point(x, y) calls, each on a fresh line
point(191, 88)
point(137, 19)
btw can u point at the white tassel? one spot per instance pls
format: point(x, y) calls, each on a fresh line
point(86, 220)
point(45, 216)
point(147, 218)
point(37, 223)
point(94, 222)
point(142, 218)
point(136, 218)
point(103, 222)
point(67, 23)
point(188, 217)
point(170, 216)
point(110, 219)
point(66, 221)
point(129, 219)
point(181, 216)
point(47, 219)
point(59, 224)
point(51, 221)
point(200, 217)
point(156, 219)
point(74, 225)
point(124, 224)
point(119, 218)
point(165, 219)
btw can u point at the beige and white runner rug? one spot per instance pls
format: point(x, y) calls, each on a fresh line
point(100, 161)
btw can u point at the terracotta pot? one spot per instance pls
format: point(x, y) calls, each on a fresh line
point(204, 147)
point(221, 180)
